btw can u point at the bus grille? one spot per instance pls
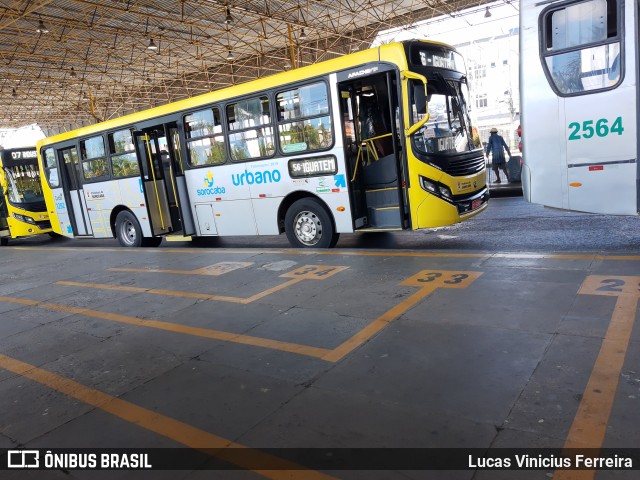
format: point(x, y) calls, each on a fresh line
point(459, 167)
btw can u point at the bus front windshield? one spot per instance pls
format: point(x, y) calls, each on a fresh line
point(449, 129)
point(23, 184)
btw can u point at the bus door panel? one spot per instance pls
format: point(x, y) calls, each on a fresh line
point(352, 152)
point(372, 150)
point(160, 154)
point(77, 214)
point(153, 184)
point(178, 181)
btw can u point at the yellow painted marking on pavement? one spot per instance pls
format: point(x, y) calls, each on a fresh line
point(429, 281)
point(217, 269)
point(178, 293)
point(308, 272)
point(177, 328)
point(314, 272)
point(590, 423)
point(611, 285)
point(441, 279)
point(166, 426)
point(336, 252)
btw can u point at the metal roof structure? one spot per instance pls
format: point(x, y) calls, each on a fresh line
point(71, 63)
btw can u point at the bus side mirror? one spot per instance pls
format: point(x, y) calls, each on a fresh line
point(419, 98)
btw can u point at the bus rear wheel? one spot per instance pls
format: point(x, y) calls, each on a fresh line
point(128, 230)
point(308, 224)
point(4, 241)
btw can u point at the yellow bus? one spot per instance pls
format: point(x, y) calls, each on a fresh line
point(376, 140)
point(22, 206)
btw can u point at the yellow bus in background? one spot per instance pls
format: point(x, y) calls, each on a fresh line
point(376, 140)
point(23, 211)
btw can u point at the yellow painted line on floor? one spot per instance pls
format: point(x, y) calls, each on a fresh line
point(306, 272)
point(374, 327)
point(335, 252)
point(590, 423)
point(166, 426)
point(428, 281)
point(183, 294)
point(212, 270)
point(309, 351)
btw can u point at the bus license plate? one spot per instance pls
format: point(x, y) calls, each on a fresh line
point(476, 203)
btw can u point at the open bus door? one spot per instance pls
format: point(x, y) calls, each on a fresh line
point(368, 108)
point(163, 179)
point(75, 216)
point(153, 183)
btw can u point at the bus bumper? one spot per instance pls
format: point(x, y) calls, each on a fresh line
point(435, 212)
point(25, 229)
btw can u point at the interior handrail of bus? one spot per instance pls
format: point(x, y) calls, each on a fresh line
point(370, 151)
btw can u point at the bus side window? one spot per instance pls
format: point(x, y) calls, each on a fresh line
point(595, 67)
point(51, 167)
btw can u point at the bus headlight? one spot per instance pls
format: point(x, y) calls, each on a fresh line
point(445, 192)
point(436, 188)
point(428, 185)
point(24, 218)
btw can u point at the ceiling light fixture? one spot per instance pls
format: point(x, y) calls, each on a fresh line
point(41, 28)
point(302, 34)
point(487, 14)
point(152, 46)
point(228, 19)
point(14, 93)
point(73, 73)
point(230, 55)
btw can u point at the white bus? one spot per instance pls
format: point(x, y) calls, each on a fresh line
point(377, 140)
point(579, 107)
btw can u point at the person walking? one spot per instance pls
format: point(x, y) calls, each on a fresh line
point(496, 144)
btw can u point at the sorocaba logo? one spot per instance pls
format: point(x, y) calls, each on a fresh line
point(208, 180)
point(210, 190)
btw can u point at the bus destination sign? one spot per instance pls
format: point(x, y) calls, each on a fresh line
point(429, 59)
point(438, 58)
point(313, 167)
point(19, 154)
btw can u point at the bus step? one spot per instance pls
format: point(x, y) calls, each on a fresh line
point(382, 197)
point(385, 216)
point(178, 237)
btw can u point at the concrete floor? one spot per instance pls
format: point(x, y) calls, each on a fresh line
point(110, 347)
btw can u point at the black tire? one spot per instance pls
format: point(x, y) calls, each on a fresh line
point(54, 234)
point(4, 241)
point(308, 224)
point(151, 241)
point(128, 230)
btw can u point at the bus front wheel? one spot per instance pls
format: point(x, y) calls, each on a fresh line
point(128, 230)
point(4, 241)
point(308, 224)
